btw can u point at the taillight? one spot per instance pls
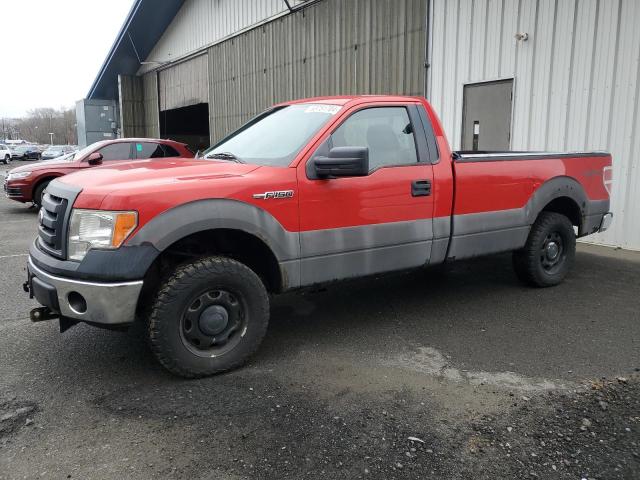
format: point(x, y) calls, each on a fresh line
point(607, 179)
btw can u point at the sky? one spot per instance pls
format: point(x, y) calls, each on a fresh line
point(52, 50)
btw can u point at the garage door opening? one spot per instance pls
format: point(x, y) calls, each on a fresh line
point(187, 124)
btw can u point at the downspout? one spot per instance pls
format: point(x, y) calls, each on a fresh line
point(428, 43)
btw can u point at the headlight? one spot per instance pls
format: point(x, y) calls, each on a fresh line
point(98, 229)
point(18, 175)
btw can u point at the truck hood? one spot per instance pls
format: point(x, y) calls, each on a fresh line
point(145, 174)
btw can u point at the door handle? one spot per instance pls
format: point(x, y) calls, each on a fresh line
point(421, 188)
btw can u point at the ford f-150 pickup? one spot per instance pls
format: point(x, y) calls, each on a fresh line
point(308, 192)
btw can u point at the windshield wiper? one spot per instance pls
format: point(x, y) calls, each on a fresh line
point(225, 156)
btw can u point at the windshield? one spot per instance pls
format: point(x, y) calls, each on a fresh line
point(65, 158)
point(86, 150)
point(275, 137)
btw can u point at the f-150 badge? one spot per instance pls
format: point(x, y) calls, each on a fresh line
point(275, 194)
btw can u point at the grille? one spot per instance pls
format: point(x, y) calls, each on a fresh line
point(51, 217)
point(12, 191)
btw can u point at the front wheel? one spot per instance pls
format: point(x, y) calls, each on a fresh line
point(7, 159)
point(38, 193)
point(549, 252)
point(208, 317)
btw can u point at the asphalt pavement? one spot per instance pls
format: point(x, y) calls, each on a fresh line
point(427, 374)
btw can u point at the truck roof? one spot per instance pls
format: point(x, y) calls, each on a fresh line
point(344, 99)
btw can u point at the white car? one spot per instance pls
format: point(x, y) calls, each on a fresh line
point(5, 154)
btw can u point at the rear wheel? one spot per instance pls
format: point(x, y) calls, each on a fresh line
point(208, 317)
point(38, 193)
point(549, 252)
point(7, 159)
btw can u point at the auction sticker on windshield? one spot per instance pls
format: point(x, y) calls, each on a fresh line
point(315, 108)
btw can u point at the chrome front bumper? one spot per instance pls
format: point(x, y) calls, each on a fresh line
point(105, 303)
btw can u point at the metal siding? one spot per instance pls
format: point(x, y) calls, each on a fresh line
point(459, 41)
point(460, 65)
point(131, 97)
point(577, 81)
point(580, 75)
point(478, 31)
point(524, 70)
point(184, 84)
point(623, 129)
point(200, 23)
point(332, 47)
point(493, 38)
point(507, 54)
point(151, 110)
point(545, 30)
point(561, 67)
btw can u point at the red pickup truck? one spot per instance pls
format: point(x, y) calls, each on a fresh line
point(308, 192)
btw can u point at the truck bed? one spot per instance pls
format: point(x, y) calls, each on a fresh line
point(462, 156)
point(495, 203)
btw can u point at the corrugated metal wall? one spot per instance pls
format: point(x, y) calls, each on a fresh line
point(332, 47)
point(151, 105)
point(184, 84)
point(577, 81)
point(203, 22)
point(130, 93)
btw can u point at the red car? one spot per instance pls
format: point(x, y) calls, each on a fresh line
point(308, 192)
point(26, 184)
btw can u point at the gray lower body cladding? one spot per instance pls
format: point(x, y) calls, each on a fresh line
point(338, 253)
point(485, 233)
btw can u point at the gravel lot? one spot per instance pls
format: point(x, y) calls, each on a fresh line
point(445, 375)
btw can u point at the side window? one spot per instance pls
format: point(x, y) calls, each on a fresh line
point(146, 150)
point(116, 151)
point(169, 151)
point(386, 131)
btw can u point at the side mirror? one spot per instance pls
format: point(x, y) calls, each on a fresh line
point(95, 159)
point(343, 162)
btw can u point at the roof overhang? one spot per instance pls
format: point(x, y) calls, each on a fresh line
point(146, 22)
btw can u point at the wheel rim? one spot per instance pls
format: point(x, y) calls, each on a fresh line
point(213, 322)
point(552, 254)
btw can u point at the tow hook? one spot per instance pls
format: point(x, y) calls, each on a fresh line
point(42, 314)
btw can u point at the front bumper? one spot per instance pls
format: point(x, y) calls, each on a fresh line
point(15, 191)
point(92, 302)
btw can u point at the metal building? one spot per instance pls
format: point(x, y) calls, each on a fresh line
point(503, 74)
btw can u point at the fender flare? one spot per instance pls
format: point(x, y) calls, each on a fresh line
point(211, 214)
point(552, 189)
